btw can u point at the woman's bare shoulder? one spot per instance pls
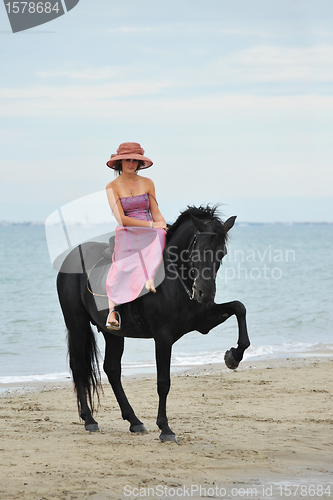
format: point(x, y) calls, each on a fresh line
point(112, 184)
point(148, 182)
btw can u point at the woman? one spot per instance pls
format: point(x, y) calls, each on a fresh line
point(140, 236)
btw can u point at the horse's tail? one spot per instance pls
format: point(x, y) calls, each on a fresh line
point(85, 371)
point(83, 351)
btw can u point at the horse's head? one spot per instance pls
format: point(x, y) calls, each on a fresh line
point(207, 252)
point(204, 237)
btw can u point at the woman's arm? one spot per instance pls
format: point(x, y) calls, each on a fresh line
point(154, 210)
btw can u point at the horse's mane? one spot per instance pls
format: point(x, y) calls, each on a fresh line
point(205, 213)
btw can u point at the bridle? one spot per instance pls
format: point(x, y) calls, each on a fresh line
point(190, 250)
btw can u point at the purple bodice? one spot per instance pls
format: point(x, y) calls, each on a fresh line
point(137, 207)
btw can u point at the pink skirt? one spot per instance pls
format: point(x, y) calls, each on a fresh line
point(138, 252)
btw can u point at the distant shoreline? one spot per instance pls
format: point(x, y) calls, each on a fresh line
point(5, 223)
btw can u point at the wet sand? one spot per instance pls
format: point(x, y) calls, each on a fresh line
point(263, 431)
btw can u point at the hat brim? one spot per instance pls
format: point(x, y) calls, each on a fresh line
point(147, 162)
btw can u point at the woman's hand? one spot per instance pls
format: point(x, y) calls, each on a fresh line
point(160, 225)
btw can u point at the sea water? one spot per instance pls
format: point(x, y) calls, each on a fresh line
point(283, 273)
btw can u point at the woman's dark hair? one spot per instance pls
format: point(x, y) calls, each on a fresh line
point(118, 167)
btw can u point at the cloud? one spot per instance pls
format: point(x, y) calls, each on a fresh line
point(146, 99)
point(276, 64)
point(260, 64)
point(91, 73)
point(137, 29)
point(242, 32)
point(190, 27)
point(207, 87)
point(41, 99)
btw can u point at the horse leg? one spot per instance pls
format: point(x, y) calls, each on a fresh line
point(220, 313)
point(163, 359)
point(114, 348)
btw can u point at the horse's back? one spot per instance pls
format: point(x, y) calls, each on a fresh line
point(72, 277)
point(83, 258)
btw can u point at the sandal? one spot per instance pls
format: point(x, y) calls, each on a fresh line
point(113, 326)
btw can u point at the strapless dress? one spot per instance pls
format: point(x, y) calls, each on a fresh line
point(137, 254)
point(137, 207)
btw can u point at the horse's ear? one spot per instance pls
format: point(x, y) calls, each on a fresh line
point(199, 224)
point(229, 223)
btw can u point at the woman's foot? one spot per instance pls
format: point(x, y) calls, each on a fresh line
point(112, 322)
point(150, 286)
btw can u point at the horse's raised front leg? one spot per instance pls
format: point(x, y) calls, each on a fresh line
point(220, 313)
point(114, 348)
point(163, 348)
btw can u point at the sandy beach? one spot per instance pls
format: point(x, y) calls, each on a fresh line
point(263, 431)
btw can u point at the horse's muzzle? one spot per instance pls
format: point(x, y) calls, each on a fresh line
point(203, 296)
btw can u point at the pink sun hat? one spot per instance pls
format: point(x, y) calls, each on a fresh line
point(129, 150)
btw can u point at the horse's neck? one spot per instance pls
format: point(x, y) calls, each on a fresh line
point(181, 239)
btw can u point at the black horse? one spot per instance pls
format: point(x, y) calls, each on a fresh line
point(184, 302)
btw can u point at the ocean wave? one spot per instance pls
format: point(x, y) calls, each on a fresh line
point(287, 349)
point(184, 359)
point(47, 377)
point(291, 349)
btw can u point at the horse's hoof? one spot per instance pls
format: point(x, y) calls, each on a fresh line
point(168, 437)
point(230, 360)
point(92, 428)
point(139, 429)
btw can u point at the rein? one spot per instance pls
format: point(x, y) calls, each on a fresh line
point(88, 276)
point(190, 251)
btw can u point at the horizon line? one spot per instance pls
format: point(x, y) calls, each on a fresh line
point(79, 223)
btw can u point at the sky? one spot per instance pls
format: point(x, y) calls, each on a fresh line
point(233, 102)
